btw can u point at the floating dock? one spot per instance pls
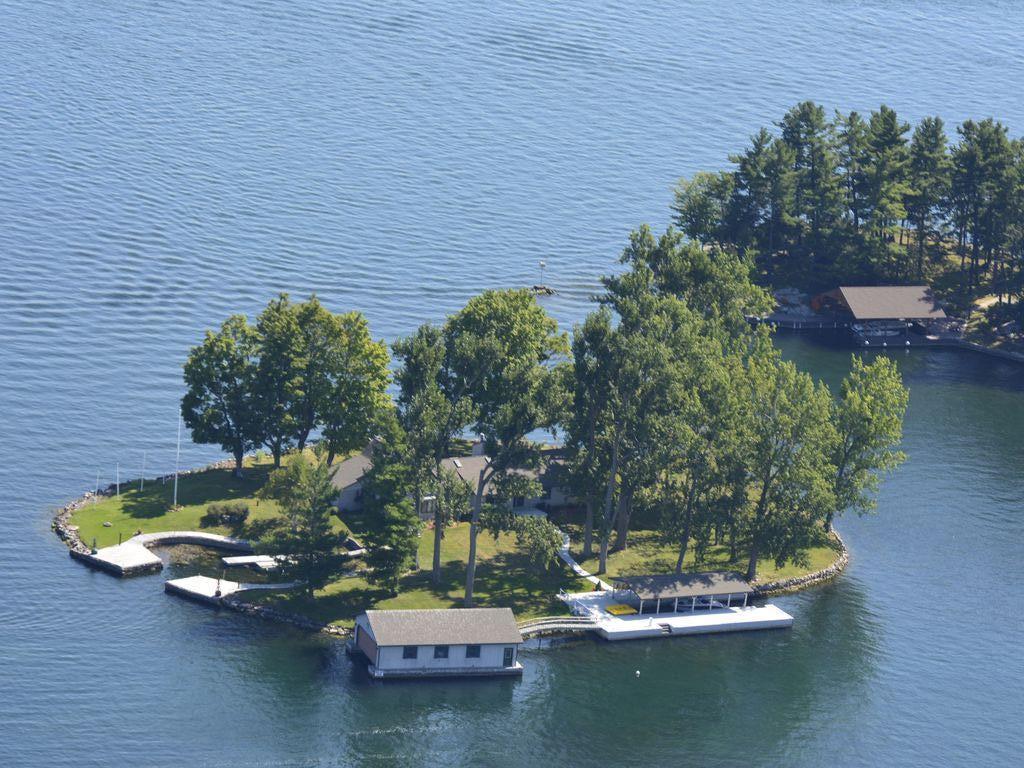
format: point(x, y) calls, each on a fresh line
point(205, 589)
point(133, 557)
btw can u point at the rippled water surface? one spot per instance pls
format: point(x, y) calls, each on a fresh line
point(165, 164)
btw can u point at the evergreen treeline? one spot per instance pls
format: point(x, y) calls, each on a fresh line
point(864, 199)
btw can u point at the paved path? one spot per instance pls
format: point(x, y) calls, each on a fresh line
point(577, 568)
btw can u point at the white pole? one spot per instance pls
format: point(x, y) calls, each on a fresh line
point(177, 455)
point(142, 477)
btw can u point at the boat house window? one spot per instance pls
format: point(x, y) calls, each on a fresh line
point(440, 651)
point(409, 651)
point(472, 651)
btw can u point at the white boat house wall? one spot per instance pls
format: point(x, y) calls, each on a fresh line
point(445, 642)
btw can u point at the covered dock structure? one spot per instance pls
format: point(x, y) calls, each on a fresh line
point(675, 604)
point(683, 591)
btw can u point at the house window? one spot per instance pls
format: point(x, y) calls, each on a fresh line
point(409, 651)
point(472, 651)
point(509, 656)
point(440, 651)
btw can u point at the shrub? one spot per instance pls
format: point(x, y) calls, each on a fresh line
point(230, 513)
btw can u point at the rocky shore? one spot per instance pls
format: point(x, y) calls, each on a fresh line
point(797, 583)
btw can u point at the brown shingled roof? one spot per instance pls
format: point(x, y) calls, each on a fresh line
point(891, 302)
point(444, 626)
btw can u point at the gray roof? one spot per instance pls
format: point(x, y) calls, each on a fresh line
point(686, 585)
point(892, 302)
point(350, 471)
point(444, 626)
point(468, 468)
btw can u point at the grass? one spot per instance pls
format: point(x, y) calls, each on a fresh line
point(150, 510)
point(647, 553)
point(504, 575)
point(504, 578)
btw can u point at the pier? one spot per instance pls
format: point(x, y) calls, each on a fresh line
point(204, 589)
point(133, 557)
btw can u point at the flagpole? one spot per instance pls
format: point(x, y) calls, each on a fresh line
point(142, 477)
point(177, 456)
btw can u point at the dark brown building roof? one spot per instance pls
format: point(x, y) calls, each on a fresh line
point(685, 585)
point(445, 626)
point(889, 302)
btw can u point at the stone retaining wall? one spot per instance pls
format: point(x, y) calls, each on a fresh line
point(818, 577)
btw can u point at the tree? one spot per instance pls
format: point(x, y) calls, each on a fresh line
point(500, 348)
point(279, 375)
point(354, 397)
point(308, 546)
point(868, 417)
point(788, 459)
point(587, 459)
point(392, 523)
point(219, 405)
point(817, 195)
point(540, 538)
point(700, 206)
point(432, 413)
point(852, 145)
point(929, 182)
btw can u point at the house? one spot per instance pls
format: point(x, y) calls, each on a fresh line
point(347, 479)
point(440, 642)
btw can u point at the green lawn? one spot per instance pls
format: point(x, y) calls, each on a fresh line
point(504, 578)
point(150, 510)
point(504, 575)
point(648, 554)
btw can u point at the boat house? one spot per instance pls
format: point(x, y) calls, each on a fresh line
point(880, 303)
point(442, 642)
point(677, 592)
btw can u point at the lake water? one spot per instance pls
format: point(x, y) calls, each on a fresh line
point(163, 166)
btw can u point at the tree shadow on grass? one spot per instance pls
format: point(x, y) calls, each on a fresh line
point(213, 485)
point(342, 606)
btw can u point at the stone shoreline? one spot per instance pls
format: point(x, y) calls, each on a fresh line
point(795, 584)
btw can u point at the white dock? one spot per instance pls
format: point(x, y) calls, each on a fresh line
point(258, 562)
point(208, 590)
point(127, 559)
point(593, 605)
point(133, 556)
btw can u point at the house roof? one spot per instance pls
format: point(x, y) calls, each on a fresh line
point(349, 471)
point(686, 585)
point(444, 626)
point(468, 468)
point(890, 302)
